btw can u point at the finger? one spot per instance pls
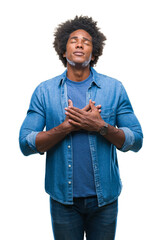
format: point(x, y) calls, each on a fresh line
point(86, 108)
point(76, 124)
point(98, 106)
point(70, 103)
point(75, 111)
point(72, 116)
point(92, 105)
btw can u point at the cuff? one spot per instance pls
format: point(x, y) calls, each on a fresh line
point(129, 139)
point(31, 141)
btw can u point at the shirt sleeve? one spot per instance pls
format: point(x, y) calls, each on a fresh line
point(128, 122)
point(33, 123)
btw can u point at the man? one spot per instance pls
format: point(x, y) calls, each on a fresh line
point(87, 116)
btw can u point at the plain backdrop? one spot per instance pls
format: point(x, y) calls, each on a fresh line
point(133, 55)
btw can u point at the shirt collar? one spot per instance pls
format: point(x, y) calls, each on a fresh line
point(95, 76)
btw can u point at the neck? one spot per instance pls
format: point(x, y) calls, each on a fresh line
point(77, 74)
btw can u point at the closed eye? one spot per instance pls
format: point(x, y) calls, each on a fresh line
point(87, 43)
point(73, 41)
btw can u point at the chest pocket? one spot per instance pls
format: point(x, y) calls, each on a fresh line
point(108, 115)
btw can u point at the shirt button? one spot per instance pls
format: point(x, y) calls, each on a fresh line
point(69, 182)
point(69, 146)
point(69, 165)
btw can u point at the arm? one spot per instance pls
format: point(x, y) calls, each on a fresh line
point(128, 135)
point(32, 138)
point(47, 139)
point(128, 122)
point(33, 124)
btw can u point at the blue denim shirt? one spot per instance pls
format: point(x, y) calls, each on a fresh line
point(47, 110)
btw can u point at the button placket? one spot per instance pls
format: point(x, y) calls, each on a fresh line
point(69, 168)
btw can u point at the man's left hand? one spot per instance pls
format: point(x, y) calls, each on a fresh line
point(87, 120)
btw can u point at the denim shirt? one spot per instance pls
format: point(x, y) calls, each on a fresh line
point(47, 109)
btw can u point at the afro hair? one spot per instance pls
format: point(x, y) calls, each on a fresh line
point(64, 30)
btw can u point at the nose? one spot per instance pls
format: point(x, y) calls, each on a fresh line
point(79, 44)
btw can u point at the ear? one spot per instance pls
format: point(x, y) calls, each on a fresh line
point(64, 55)
point(92, 58)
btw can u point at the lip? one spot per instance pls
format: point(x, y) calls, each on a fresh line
point(77, 53)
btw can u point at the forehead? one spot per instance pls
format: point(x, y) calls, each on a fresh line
point(80, 33)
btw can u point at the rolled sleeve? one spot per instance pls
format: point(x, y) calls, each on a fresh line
point(129, 139)
point(31, 137)
point(27, 144)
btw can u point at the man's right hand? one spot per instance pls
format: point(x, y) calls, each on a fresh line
point(70, 126)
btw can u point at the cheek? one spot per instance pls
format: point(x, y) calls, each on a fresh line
point(69, 50)
point(89, 53)
point(89, 49)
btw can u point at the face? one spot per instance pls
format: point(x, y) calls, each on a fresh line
point(79, 48)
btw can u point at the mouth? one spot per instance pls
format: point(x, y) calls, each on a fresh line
point(78, 53)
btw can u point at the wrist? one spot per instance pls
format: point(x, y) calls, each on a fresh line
point(103, 128)
point(66, 128)
point(99, 125)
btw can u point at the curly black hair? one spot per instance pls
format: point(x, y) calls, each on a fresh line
point(64, 30)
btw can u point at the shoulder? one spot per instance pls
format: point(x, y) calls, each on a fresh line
point(106, 81)
point(109, 79)
point(50, 83)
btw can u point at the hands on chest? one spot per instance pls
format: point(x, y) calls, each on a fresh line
point(88, 118)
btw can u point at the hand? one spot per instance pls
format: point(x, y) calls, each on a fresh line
point(71, 126)
point(89, 120)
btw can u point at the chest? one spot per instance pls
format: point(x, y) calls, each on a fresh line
point(57, 100)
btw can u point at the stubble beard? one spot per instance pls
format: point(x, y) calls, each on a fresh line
point(83, 65)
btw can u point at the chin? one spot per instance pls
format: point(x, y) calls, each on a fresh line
point(76, 63)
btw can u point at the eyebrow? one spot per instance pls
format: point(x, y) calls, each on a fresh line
point(86, 39)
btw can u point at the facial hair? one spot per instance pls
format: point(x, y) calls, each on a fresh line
point(84, 64)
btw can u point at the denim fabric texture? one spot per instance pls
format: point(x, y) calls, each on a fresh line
point(69, 222)
point(47, 110)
